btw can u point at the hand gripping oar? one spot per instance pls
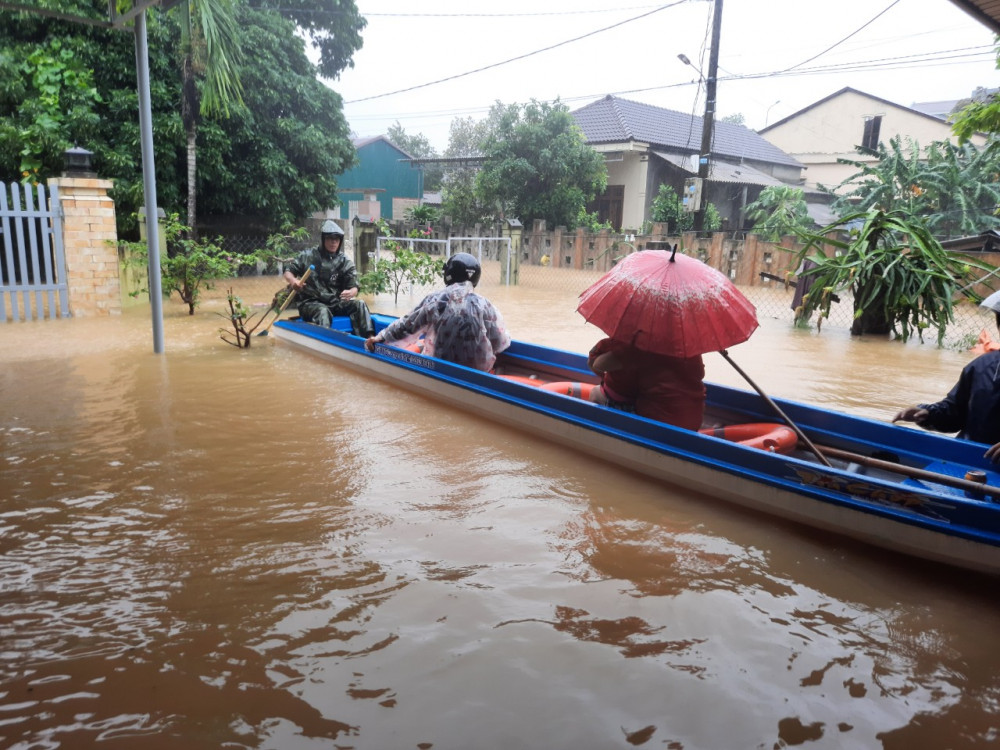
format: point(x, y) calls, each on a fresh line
point(288, 299)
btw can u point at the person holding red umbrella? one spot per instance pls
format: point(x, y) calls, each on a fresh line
point(667, 389)
point(661, 312)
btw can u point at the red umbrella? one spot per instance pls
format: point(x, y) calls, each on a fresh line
point(670, 304)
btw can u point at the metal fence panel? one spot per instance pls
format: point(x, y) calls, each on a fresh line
point(33, 264)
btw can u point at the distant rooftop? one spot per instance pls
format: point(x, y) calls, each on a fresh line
point(615, 120)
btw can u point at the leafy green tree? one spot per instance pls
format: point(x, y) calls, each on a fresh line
point(209, 56)
point(465, 139)
point(189, 265)
point(60, 99)
point(963, 187)
point(331, 27)
point(952, 189)
point(537, 164)
point(668, 208)
point(419, 147)
point(900, 276)
point(277, 158)
point(401, 267)
point(892, 183)
point(589, 221)
point(981, 115)
point(422, 214)
point(778, 211)
point(713, 219)
point(274, 160)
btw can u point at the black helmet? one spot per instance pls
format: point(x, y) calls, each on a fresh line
point(462, 267)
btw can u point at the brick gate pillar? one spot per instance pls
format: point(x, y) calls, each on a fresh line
point(90, 239)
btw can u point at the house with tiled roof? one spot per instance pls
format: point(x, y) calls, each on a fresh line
point(646, 146)
point(835, 127)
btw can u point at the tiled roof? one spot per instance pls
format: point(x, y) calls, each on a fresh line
point(615, 120)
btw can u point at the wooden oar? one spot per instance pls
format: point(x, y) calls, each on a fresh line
point(288, 299)
point(778, 409)
point(911, 471)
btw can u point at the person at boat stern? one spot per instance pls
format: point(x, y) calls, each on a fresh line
point(332, 288)
point(457, 324)
point(667, 389)
point(972, 407)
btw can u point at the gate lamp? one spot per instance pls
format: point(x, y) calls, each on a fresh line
point(77, 162)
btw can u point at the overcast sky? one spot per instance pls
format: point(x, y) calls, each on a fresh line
point(454, 58)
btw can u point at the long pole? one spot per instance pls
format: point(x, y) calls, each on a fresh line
point(708, 121)
point(780, 412)
point(149, 180)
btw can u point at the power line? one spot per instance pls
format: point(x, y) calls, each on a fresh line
point(519, 57)
point(577, 12)
point(508, 15)
point(853, 33)
point(954, 56)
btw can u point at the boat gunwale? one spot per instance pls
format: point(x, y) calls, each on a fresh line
point(736, 461)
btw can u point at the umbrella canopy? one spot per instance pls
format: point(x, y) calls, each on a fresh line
point(669, 304)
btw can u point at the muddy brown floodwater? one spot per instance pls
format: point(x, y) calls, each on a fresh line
point(215, 548)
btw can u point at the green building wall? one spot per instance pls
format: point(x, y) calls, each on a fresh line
point(379, 168)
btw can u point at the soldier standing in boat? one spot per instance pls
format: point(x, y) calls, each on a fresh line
point(332, 288)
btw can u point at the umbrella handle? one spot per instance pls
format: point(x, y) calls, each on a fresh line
point(802, 436)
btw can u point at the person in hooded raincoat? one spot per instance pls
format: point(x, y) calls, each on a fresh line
point(972, 407)
point(457, 324)
point(332, 288)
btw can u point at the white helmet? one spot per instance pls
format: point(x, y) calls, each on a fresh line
point(331, 227)
point(992, 302)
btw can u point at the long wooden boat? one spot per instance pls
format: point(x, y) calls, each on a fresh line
point(894, 487)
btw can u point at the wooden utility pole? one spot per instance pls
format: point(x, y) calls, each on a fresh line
point(708, 121)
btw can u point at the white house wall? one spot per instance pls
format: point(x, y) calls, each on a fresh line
point(631, 172)
point(831, 129)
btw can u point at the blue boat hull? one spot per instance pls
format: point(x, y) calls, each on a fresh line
point(912, 515)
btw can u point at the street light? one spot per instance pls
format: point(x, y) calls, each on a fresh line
point(767, 115)
point(684, 59)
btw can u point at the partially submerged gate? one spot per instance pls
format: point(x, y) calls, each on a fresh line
point(32, 260)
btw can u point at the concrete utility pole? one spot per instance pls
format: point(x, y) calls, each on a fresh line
point(708, 121)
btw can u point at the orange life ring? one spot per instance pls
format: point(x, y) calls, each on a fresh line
point(775, 438)
point(578, 390)
point(417, 347)
point(523, 380)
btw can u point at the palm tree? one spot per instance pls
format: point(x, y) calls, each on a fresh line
point(209, 53)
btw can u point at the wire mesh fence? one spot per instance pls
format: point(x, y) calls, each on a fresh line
point(256, 284)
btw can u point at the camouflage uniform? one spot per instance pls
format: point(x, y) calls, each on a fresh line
point(319, 300)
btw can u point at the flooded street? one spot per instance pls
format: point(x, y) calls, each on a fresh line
point(216, 548)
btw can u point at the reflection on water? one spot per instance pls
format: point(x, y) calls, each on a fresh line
point(221, 548)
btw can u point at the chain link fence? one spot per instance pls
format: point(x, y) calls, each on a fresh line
point(257, 283)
